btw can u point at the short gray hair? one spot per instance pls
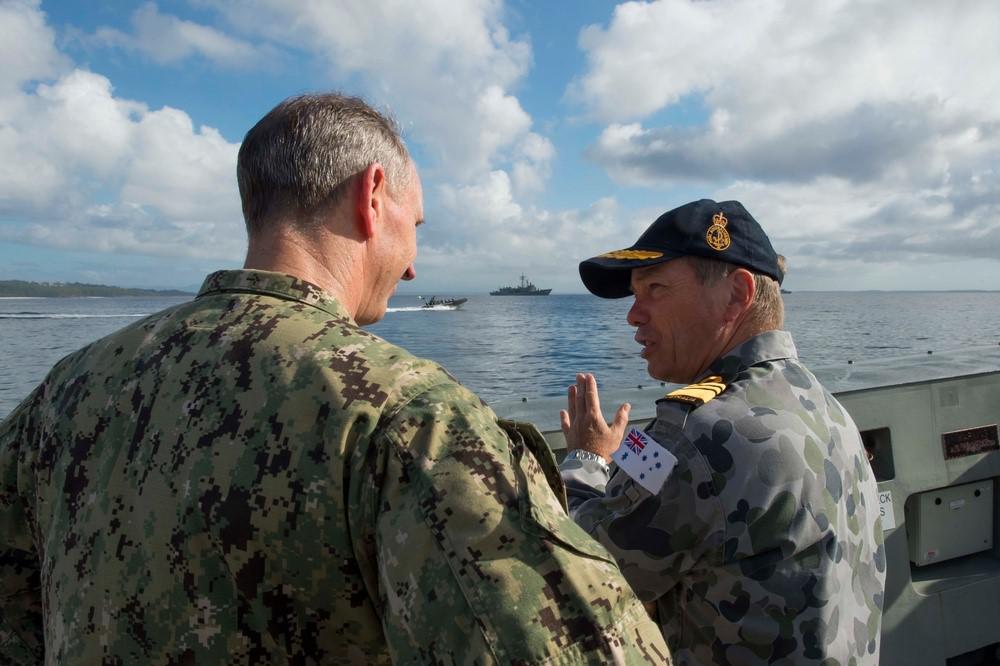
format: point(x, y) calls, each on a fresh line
point(767, 309)
point(304, 152)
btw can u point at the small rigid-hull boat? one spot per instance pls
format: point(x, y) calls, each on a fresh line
point(439, 303)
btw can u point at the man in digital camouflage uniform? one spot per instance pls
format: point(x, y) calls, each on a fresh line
point(250, 478)
point(762, 545)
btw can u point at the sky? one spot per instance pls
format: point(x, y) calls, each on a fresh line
point(864, 135)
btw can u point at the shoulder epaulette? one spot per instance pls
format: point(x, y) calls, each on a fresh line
point(700, 393)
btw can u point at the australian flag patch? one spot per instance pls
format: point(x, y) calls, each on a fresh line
point(642, 458)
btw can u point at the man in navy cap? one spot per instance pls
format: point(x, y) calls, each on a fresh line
point(746, 511)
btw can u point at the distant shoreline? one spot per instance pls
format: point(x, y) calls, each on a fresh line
point(11, 289)
point(451, 293)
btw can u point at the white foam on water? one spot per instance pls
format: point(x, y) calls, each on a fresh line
point(69, 315)
point(420, 308)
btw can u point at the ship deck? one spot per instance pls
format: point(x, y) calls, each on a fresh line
point(842, 378)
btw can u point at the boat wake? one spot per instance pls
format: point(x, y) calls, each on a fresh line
point(67, 315)
point(424, 308)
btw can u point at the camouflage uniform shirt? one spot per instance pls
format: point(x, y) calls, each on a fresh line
point(249, 478)
point(763, 546)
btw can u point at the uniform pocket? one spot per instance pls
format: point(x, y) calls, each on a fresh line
point(542, 496)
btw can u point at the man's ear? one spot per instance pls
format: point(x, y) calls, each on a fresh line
point(370, 193)
point(742, 290)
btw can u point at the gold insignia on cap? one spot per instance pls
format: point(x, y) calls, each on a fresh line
point(717, 236)
point(631, 254)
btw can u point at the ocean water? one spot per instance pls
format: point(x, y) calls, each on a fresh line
point(506, 348)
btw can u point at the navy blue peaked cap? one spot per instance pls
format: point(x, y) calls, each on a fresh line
point(716, 230)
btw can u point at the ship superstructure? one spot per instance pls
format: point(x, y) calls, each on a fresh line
point(524, 288)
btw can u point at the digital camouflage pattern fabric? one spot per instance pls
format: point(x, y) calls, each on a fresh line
point(249, 478)
point(764, 545)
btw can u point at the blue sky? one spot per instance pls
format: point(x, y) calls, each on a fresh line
point(862, 135)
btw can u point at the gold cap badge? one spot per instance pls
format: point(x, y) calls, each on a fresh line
point(717, 237)
point(632, 254)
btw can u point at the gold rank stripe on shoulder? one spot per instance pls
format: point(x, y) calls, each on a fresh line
point(700, 393)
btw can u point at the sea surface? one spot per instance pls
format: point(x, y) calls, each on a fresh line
point(509, 347)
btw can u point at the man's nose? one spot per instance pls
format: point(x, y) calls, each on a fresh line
point(636, 314)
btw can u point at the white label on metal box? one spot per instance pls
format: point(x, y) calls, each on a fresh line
point(885, 508)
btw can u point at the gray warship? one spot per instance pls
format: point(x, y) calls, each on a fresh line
point(525, 288)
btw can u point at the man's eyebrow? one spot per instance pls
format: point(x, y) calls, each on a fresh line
point(644, 275)
point(639, 275)
point(420, 221)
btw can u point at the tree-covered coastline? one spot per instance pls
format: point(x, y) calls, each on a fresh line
point(22, 288)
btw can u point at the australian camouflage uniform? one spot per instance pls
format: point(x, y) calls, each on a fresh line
point(763, 545)
point(251, 478)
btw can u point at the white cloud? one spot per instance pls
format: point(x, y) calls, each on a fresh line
point(788, 61)
point(168, 39)
point(532, 165)
point(448, 67)
point(835, 87)
point(112, 175)
point(78, 122)
point(490, 231)
point(654, 53)
point(451, 70)
point(502, 119)
point(878, 122)
point(862, 135)
point(85, 170)
point(182, 171)
point(27, 49)
point(843, 235)
point(489, 202)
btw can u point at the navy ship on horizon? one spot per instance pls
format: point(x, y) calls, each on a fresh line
point(525, 288)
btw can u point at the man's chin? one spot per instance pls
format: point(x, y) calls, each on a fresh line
point(660, 374)
point(372, 316)
point(657, 376)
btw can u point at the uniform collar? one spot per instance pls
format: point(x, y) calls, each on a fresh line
point(767, 346)
point(279, 285)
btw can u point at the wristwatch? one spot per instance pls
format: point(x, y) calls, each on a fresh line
point(581, 454)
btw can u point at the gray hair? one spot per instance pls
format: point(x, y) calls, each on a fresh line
point(303, 154)
point(768, 308)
